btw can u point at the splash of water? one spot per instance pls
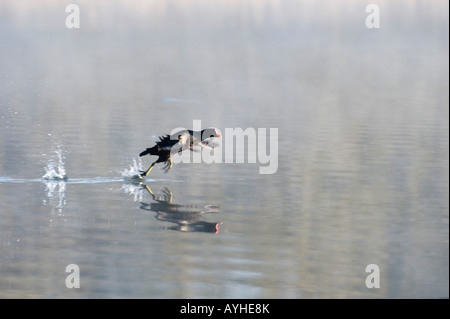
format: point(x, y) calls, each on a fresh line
point(131, 178)
point(135, 190)
point(55, 182)
point(55, 171)
point(55, 194)
point(134, 171)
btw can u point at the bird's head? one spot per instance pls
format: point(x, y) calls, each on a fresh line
point(210, 133)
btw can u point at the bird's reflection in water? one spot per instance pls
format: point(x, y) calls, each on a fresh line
point(187, 218)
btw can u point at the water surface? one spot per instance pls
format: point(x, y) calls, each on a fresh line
point(362, 118)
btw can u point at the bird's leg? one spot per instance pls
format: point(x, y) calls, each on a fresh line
point(147, 171)
point(150, 191)
point(169, 165)
point(168, 195)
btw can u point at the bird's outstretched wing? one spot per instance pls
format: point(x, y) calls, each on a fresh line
point(182, 144)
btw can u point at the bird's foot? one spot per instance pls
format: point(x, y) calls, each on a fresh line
point(167, 167)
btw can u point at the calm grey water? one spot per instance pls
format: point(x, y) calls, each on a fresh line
point(362, 117)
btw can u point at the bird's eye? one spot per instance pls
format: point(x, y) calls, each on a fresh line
point(212, 136)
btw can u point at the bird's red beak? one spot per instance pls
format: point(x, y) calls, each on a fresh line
point(217, 133)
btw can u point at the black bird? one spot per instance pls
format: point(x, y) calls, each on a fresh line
point(169, 145)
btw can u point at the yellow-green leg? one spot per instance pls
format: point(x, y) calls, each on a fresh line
point(169, 166)
point(150, 191)
point(168, 194)
point(148, 171)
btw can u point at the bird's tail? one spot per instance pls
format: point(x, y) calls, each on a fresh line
point(152, 151)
